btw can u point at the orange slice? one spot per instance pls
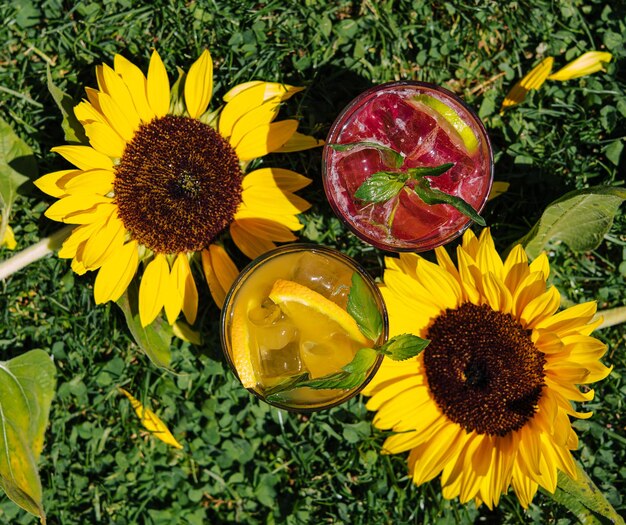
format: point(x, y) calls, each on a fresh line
point(307, 308)
point(241, 355)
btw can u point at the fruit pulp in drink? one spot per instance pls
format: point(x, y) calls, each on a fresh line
point(429, 126)
point(268, 343)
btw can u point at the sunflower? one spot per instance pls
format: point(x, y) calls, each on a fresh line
point(487, 403)
point(164, 179)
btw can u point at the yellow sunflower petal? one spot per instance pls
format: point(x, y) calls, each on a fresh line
point(86, 113)
point(103, 139)
point(175, 291)
point(118, 91)
point(434, 454)
point(103, 243)
point(470, 243)
point(433, 277)
point(84, 157)
point(541, 264)
point(533, 80)
point(158, 86)
point(515, 267)
point(250, 244)
point(99, 182)
point(92, 97)
point(487, 257)
point(116, 117)
point(240, 100)
point(220, 272)
point(137, 86)
point(153, 289)
point(53, 183)
point(286, 180)
point(116, 273)
point(80, 209)
point(265, 139)
point(261, 115)
point(199, 85)
point(79, 235)
point(299, 142)
point(471, 279)
point(270, 90)
point(186, 286)
point(570, 319)
point(586, 64)
point(497, 294)
point(531, 287)
point(541, 307)
point(525, 488)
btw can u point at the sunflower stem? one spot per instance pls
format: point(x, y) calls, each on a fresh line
point(612, 316)
point(35, 252)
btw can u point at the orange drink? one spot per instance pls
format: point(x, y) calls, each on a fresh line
point(285, 317)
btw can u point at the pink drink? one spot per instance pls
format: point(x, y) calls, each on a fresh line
point(428, 126)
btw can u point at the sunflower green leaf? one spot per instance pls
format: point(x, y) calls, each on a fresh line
point(27, 385)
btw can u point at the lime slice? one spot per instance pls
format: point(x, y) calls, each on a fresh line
point(465, 132)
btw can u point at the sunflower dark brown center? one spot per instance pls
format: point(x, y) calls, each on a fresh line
point(178, 185)
point(483, 370)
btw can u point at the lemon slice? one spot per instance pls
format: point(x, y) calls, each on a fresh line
point(241, 355)
point(466, 133)
point(306, 307)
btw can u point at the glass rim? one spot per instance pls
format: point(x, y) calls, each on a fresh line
point(295, 247)
point(350, 108)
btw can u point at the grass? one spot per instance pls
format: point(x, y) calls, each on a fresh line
point(244, 462)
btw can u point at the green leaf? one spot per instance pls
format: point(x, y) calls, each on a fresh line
point(27, 385)
point(364, 309)
point(433, 196)
point(580, 219)
point(430, 171)
point(352, 375)
point(403, 346)
point(154, 339)
point(381, 186)
point(390, 156)
point(582, 497)
point(17, 165)
point(72, 128)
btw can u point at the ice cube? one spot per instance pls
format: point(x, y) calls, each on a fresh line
point(324, 276)
point(266, 314)
point(327, 355)
point(278, 363)
point(276, 335)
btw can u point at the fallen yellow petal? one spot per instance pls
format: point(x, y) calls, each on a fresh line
point(9, 239)
point(585, 64)
point(151, 422)
point(533, 80)
point(497, 189)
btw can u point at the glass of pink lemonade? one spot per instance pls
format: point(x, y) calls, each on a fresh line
point(426, 126)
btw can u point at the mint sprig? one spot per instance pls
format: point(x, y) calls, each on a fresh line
point(383, 186)
point(362, 307)
point(433, 196)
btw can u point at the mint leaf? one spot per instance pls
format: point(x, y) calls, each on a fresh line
point(351, 375)
point(433, 196)
point(430, 171)
point(381, 186)
point(403, 347)
point(391, 157)
point(363, 308)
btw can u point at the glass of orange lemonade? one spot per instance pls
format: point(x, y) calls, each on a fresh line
point(285, 316)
